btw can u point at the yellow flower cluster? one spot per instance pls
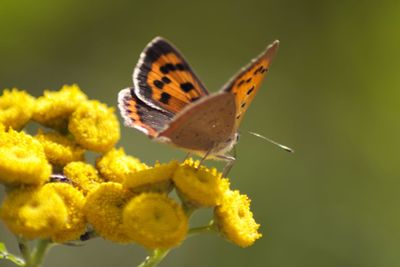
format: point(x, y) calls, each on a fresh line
point(53, 193)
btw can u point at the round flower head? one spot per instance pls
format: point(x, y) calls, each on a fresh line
point(95, 126)
point(83, 176)
point(155, 221)
point(235, 220)
point(16, 108)
point(157, 178)
point(74, 201)
point(22, 159)
point(104, 208)
point(59, 149)
point(200, 185)
point(115, 165)
point(33, 213)
point(54, 108)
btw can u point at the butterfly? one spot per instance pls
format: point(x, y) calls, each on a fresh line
point(171, 105)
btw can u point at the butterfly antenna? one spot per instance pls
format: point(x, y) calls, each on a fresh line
point(288, 149)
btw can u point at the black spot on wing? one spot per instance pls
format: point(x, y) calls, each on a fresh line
point(165, 79)
point(165, 97)
point(186, 87)
point(250, 90)
point(159, 84)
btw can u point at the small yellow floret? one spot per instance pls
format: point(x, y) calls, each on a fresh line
point(16, 108)
point(235, 220)
point(95, 126)
point(54, 108)
point(22, 159)
point(83, 176)
point(60, 149)
point(157, 178)
point(201, 186)
point(74, 201)
point(34, 212)
point(115, 165)
point(155, 221)
point(104, 208)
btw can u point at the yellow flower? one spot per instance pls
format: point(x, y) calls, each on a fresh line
point(16, 108)
point(34, 212)
point(22, 159)
point(83, 176)
point(95, 126)
point(157, 178)
point(200, 186)
point(104, 208)
point(155, 221)
point(235, 220)
point(115, 165)
point(59, 149)
point(74, 201)
point(54, 108)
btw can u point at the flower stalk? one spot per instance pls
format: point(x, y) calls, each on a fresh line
point(155, 258)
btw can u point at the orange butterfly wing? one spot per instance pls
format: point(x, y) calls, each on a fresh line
point(247, 82)
point(164, 80)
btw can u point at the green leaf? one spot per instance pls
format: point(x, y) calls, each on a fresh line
point(4, 255)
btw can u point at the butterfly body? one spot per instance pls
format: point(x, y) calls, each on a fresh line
point(171, 105)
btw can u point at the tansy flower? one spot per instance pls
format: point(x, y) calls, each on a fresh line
point(60, 149)
point(235, 220)
point(83, 176)
point(157, 178)
point(16, 108)
point(34, 212)
point(155, 221)
point(201, 186)
point(74, 201)
point(95, 126)
point(54, 108)
point(115, 165)
point(104, 208)
point(22, 159)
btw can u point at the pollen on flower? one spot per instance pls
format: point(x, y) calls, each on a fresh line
point(34, 212)
point(22, 160)
point(16, 108)
point(103, 209)
point(60, 149)
point(74, 201)
point(83, 176)
point(95, 126)
point(200, 185)
point(157, 178)
point(155, 221)
point(54, 107)
point(235, 220)
point(115, 165)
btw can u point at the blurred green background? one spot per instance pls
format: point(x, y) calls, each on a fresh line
point(332, 94)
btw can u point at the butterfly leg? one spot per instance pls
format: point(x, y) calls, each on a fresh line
point(204, 157)
point(230, 161)
point(187, 156)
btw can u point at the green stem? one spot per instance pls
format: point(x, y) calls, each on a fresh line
point(155, 258)
point(24, 249)
point(202, 229)
point(37, 256)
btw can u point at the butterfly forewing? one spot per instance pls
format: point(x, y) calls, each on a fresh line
point(139, 115)
point(164, 80)
point(245, 85)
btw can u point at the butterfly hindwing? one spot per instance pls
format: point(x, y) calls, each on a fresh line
point(246, 84)
point(164, 80)
point(139, 115)
point(204, 126)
